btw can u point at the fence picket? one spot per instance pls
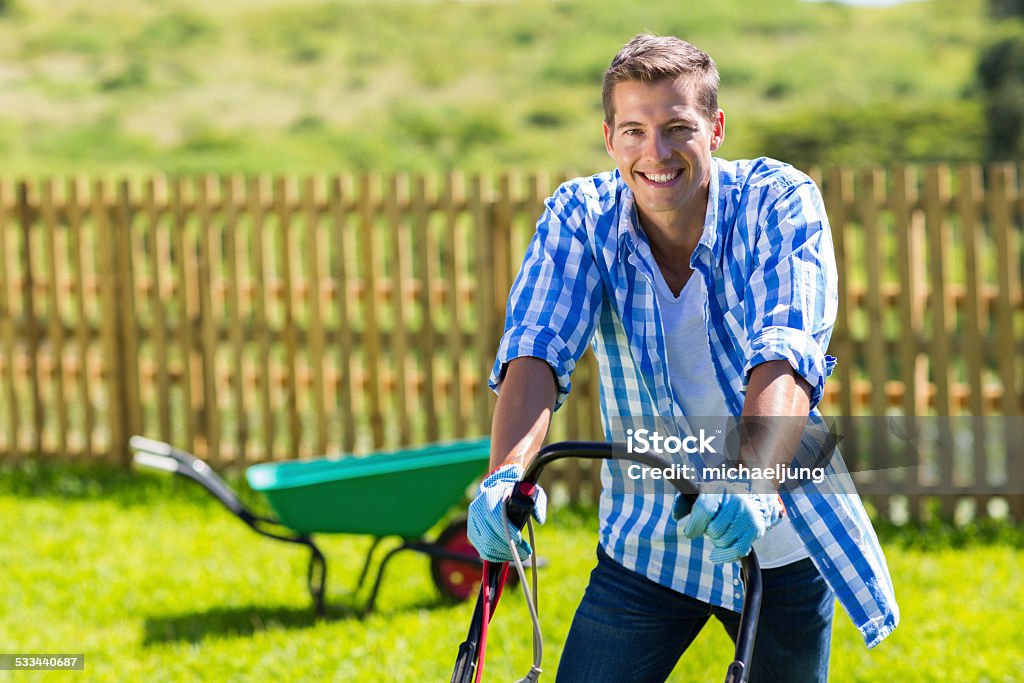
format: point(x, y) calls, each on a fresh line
point(368, 311)
point(936, 199)
point(107, 259)
point(158, 253)
point(208, 413)
point(969, 186)
point(876, 458)
point(1000, 198)
point(423, 248)
point(127, 334)
point(33, 333)
point(54, 328)
point(282, 195)
point(180, 302)
point(454, 265)
point(342, 242)
point(395, 195)
point(257, 201)
point(311, 222)
point(232, 190)
point(482, 304)
point(8, 347)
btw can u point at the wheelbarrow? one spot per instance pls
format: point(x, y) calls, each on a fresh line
point(470, 660)
point(355, 495)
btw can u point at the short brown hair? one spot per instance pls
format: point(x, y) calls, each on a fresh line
point(648, 58)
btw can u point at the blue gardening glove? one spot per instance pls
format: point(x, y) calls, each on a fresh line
point(486, 519)
point(732, 514)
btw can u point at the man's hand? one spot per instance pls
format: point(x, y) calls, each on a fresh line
point(731, 514)
point(486, 521)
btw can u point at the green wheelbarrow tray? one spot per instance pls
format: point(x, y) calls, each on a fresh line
point(402, 493)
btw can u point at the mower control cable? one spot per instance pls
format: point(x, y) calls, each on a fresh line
point(531, 598)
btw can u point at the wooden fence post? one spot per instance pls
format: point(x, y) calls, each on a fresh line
point(452, 197)
point(973, 240)
point(483, 212)
point(368, 310)
point(8, 347)
point(337, 199)
point(110, 323)
point(128, 342)
point(936, 198)
point(33, 334)
point(874, 455)
point(426, 265)
point(54, 329)
point(1001, 196)
point(209, 418)
point(394, 196)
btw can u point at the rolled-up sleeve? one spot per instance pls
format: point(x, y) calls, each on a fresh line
point(552, 308)
point(793, 285)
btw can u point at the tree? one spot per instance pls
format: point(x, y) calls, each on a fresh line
point(1006, 8)
point(1001, 72)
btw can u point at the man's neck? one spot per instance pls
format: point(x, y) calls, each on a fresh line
point(673, 236)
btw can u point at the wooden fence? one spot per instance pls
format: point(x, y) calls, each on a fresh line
point(259, 318)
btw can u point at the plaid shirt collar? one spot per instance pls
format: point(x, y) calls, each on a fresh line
point(629, 234)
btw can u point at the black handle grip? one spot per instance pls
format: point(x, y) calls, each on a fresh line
point(521, 503)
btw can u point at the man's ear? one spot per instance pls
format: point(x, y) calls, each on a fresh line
point(607, 138)
point(718, 131)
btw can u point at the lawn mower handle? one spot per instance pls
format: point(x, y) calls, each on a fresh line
point(520, 505)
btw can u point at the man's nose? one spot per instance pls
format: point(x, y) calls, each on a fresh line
point(657, 146)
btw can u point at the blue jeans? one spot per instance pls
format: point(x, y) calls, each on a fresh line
point(629, 628)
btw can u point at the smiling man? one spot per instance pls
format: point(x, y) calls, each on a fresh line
point(707, 288)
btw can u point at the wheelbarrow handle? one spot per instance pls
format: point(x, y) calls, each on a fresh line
point(163, 456)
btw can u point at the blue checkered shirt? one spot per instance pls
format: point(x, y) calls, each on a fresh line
point(767, 260)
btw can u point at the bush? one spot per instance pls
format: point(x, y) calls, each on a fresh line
point(877, 134)
point(134, 75)
point(175, 30)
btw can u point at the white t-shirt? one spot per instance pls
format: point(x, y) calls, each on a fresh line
point(694, 384)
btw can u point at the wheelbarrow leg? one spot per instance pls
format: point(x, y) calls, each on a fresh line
point(368, 607)
point(366, 565)
point(316, 578)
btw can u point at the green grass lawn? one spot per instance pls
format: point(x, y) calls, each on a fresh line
point(152, 581)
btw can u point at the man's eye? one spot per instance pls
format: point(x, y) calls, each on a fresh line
point(633, 131)
point(680, 129)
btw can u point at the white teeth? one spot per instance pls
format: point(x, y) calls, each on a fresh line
point(660, 177)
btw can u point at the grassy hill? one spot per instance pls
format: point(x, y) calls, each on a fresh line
point(269, 85)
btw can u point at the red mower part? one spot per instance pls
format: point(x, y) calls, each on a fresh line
point(458, 581)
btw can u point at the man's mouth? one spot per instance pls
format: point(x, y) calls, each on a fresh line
point(661, 178)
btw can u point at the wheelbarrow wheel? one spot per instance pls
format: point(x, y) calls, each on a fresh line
point(458, 581)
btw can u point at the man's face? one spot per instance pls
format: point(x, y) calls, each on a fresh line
point(662, 143)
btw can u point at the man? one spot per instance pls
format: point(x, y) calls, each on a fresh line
point(706, 287)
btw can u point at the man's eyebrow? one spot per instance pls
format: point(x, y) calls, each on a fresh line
point(678, 119)
point(682, 119)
